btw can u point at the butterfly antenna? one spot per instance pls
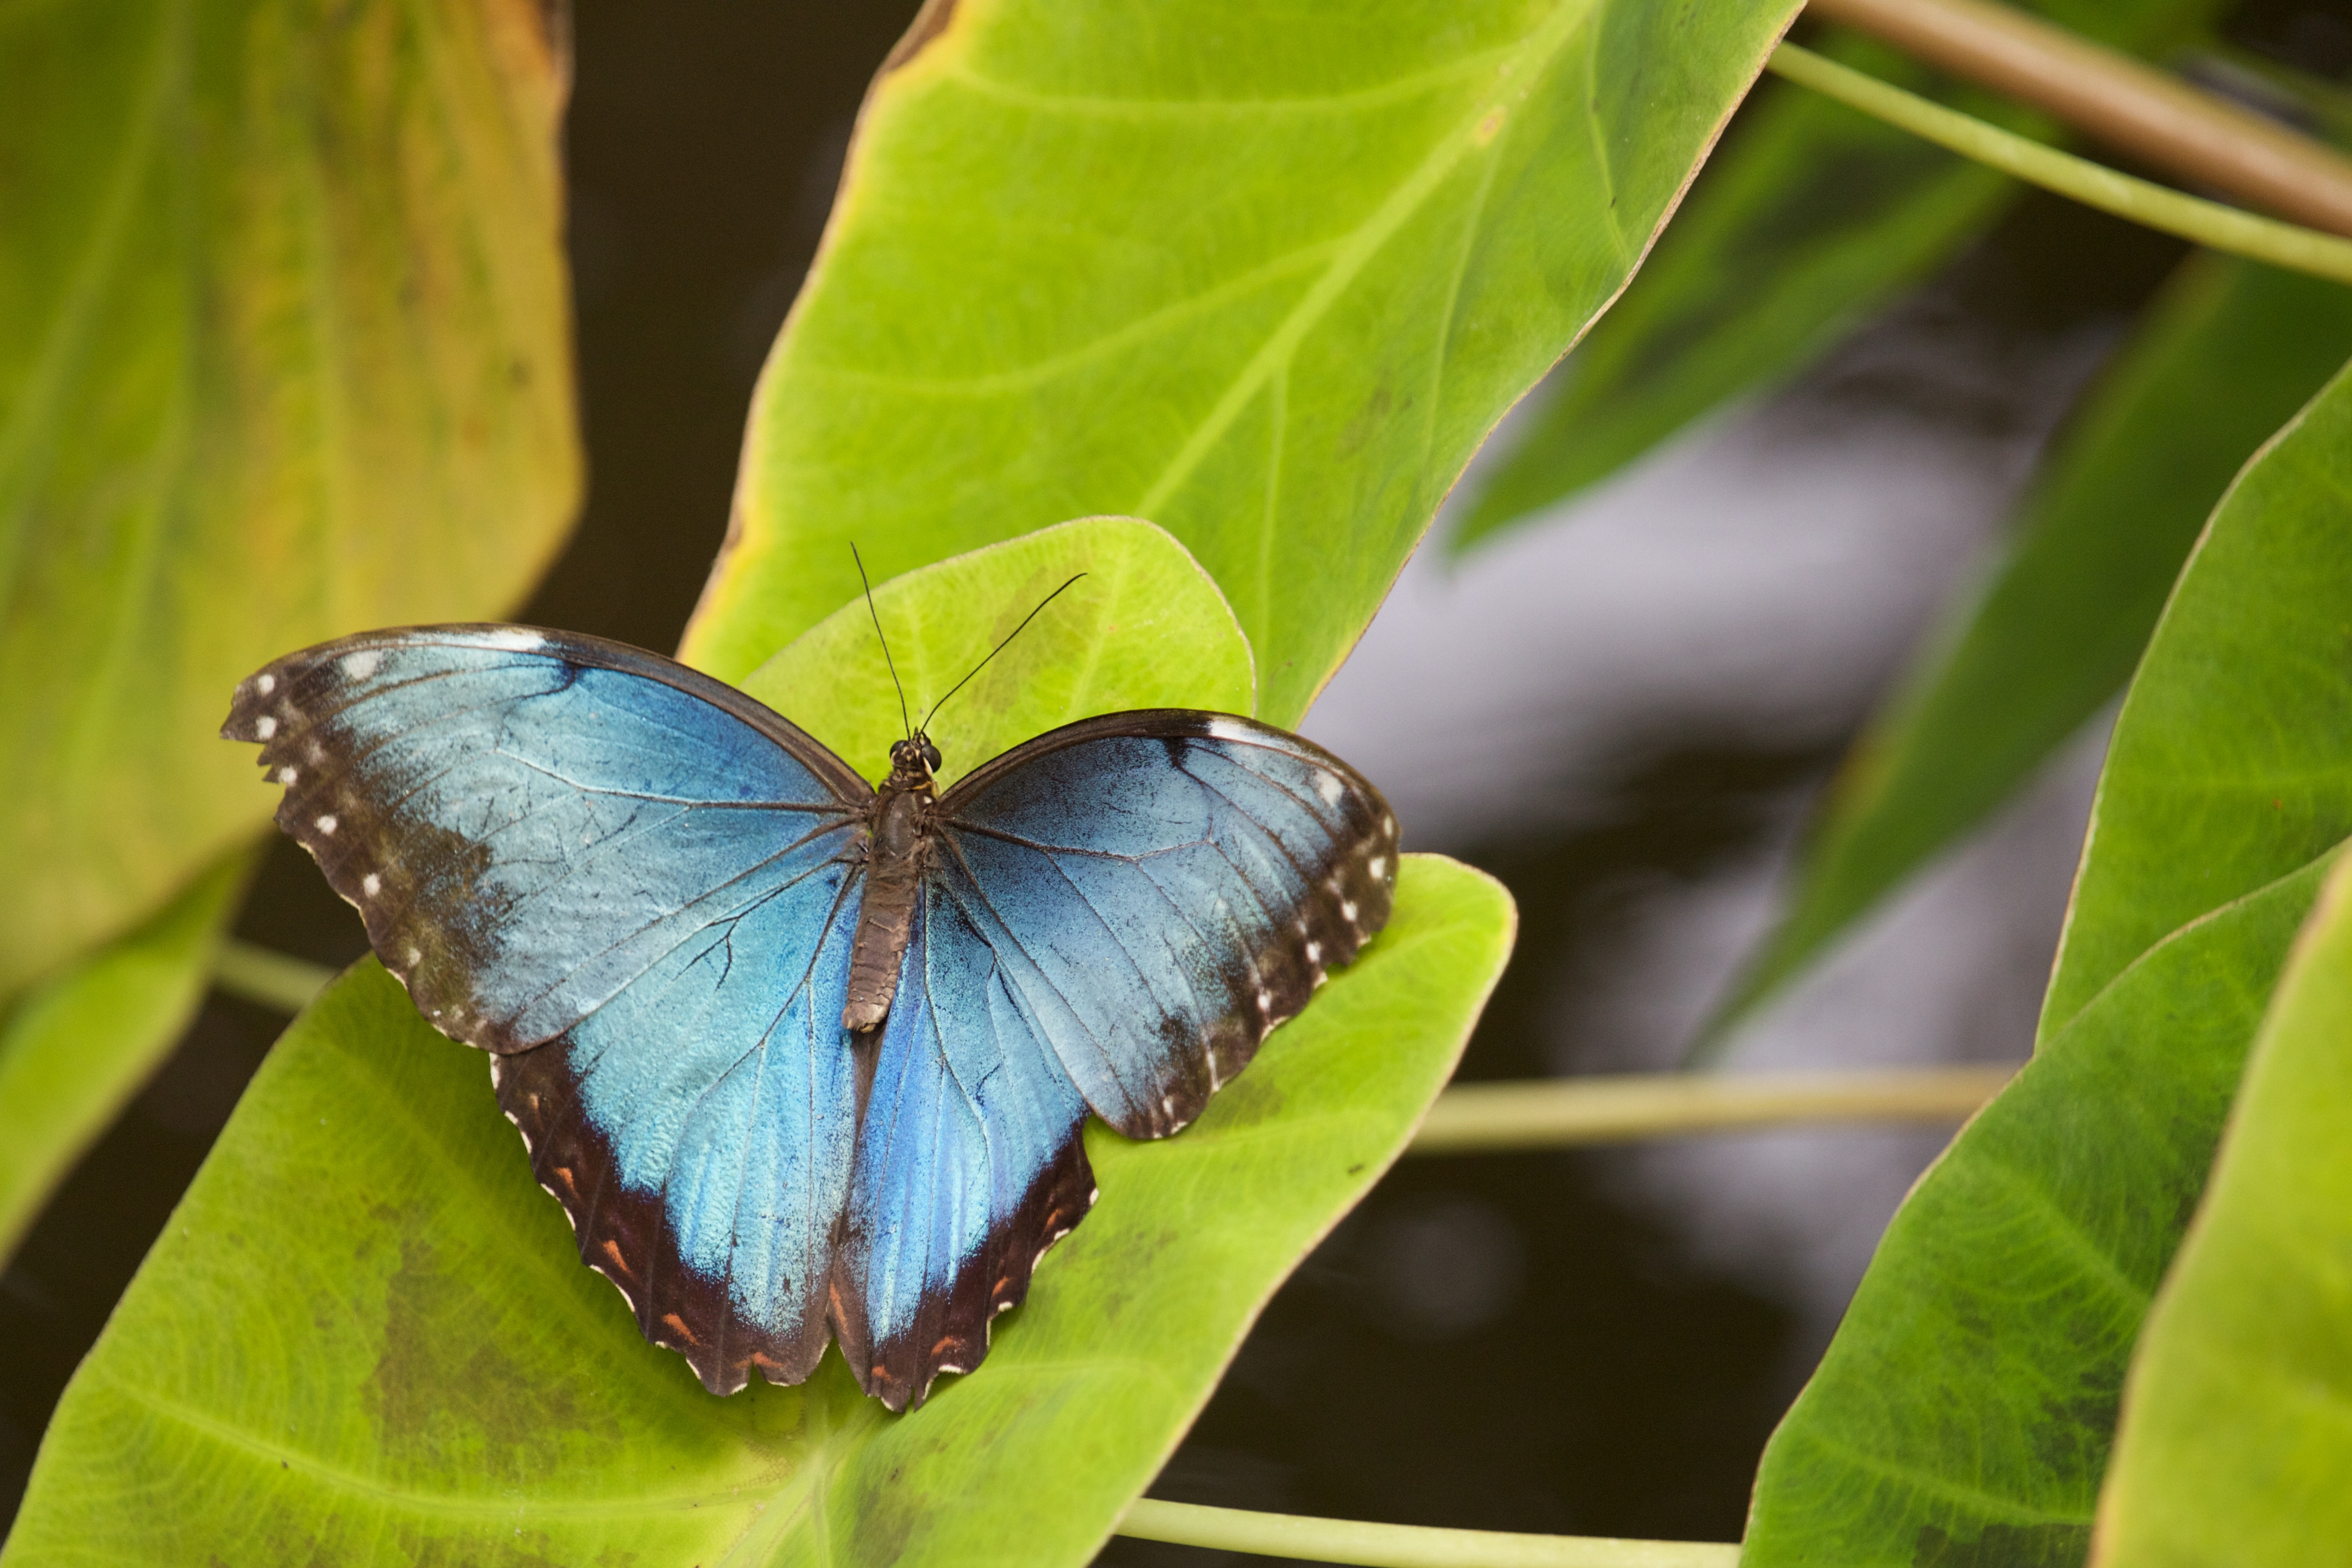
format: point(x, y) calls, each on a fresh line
point(886, 641)
point(1015, 632)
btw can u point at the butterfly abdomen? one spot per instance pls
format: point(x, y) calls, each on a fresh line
point(894, 875)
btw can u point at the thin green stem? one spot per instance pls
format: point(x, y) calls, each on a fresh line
point(1405, 1545)
point(267, 979)
point(2207, 222)
point(1491, 1118)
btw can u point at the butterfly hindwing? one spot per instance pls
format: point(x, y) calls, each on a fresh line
point(700, 1129)
point(970, 1164)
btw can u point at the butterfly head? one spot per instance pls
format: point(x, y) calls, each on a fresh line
point(913, 761)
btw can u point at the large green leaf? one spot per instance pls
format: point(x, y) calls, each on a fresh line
point(1264, 275)
point(365, 1336)
point(284, 352)
point(1145, 627)
point(1812, 217)
point(1962, 1415)
point(74, 1049)
point(2237, 1431)
point(2226, 356)
point(1968, 1402)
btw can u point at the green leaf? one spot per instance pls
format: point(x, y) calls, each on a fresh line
point(2226, 355)
point(284, 352)
point(1145, 627)
point(2231, 761)
point(1809, 221)
point(365, 1336)
point(75, 1047)
point(1962, 1413)
point(2237, 1430)
point(1968, 1402)
point(1265, 276)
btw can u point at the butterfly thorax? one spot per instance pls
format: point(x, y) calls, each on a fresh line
point(894, 847)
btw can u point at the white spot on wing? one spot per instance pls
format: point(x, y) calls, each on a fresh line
point(363, 664)
point(1348, 911)
point(327, 825)
point(1379, 866)
point(371, 885)
point(285, 775)
point(1388, 825)
point(516, 639)
point(1314, 953)
point(1327, 785)
point(413, 955)
point(1225, 728)
point(265, 683)
point(265, 726)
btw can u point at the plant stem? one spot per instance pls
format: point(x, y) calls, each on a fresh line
point(1405, 1545)
point(2206, 223)
point(1488, 1118)
point(267, 979)
point(2185, 131)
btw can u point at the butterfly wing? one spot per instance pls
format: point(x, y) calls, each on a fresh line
point(1165, 886)
point(637, 887)
point(1113, 917)
point(969, 1162)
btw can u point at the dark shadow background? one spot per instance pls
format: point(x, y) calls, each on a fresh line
point(1488, 1343)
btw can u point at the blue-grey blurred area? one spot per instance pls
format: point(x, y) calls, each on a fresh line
point(1748, 593)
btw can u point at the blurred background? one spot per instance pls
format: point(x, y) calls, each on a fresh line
point(1623, 710)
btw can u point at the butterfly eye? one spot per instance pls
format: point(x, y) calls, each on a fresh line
point(930, 757)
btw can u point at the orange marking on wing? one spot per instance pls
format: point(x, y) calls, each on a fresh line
point(613, 1251)
point(678, 1326)
point(945, 1345)
point(569, 1184)
point(765, 1362)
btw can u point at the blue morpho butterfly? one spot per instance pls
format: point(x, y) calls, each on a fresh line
point(801, 1058)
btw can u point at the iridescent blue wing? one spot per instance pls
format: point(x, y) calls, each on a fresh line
point(969, 1162)
point(1114, 916)
point(1165, 886)
point(637, 887)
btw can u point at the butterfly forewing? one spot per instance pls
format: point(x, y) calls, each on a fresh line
point(1176, 884)
point(525, 822)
